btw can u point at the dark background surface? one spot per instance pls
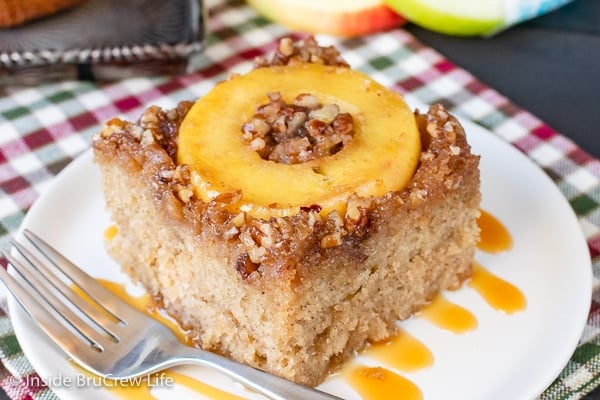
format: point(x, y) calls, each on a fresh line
point(549, 66)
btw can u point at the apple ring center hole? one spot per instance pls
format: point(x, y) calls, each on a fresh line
point(300, 131)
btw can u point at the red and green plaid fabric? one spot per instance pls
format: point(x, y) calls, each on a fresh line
point(43, 128)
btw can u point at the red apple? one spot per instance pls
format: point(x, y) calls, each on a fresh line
point(335, 17)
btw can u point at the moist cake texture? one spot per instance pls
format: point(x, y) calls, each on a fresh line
point(295, 295)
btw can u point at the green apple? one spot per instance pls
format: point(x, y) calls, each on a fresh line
point(453, 17)
point(336, 17)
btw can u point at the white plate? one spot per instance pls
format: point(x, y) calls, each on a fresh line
point(507, 357)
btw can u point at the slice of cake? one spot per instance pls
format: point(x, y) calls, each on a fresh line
point(288, 225)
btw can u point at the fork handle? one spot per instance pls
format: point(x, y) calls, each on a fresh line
point(272, 386)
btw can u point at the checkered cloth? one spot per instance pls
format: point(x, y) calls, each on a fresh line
point(44, 128)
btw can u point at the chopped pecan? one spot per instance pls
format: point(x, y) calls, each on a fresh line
point(290, 52)
point(245, 266)
point(297, 132)
point(356, 220)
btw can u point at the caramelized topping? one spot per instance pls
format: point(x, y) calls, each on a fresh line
point(297, 132)
point(289, 52)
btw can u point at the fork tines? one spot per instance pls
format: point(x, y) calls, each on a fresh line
point(65, 315)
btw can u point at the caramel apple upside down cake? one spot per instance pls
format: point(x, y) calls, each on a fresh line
point(294, 213)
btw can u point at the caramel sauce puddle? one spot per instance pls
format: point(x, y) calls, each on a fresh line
point(377, 383)
point(500, 294)
point(110, 232)
point(142, 390)
point(494, 237)
point(449, 316)
point(402, 352)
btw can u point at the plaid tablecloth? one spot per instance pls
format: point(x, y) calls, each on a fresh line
point(43, 128)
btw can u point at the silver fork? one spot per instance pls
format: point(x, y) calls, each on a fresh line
point(113, 339)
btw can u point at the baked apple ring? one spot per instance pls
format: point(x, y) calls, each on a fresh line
point(381, 158)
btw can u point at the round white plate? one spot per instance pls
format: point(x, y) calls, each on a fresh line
point(507, 357)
